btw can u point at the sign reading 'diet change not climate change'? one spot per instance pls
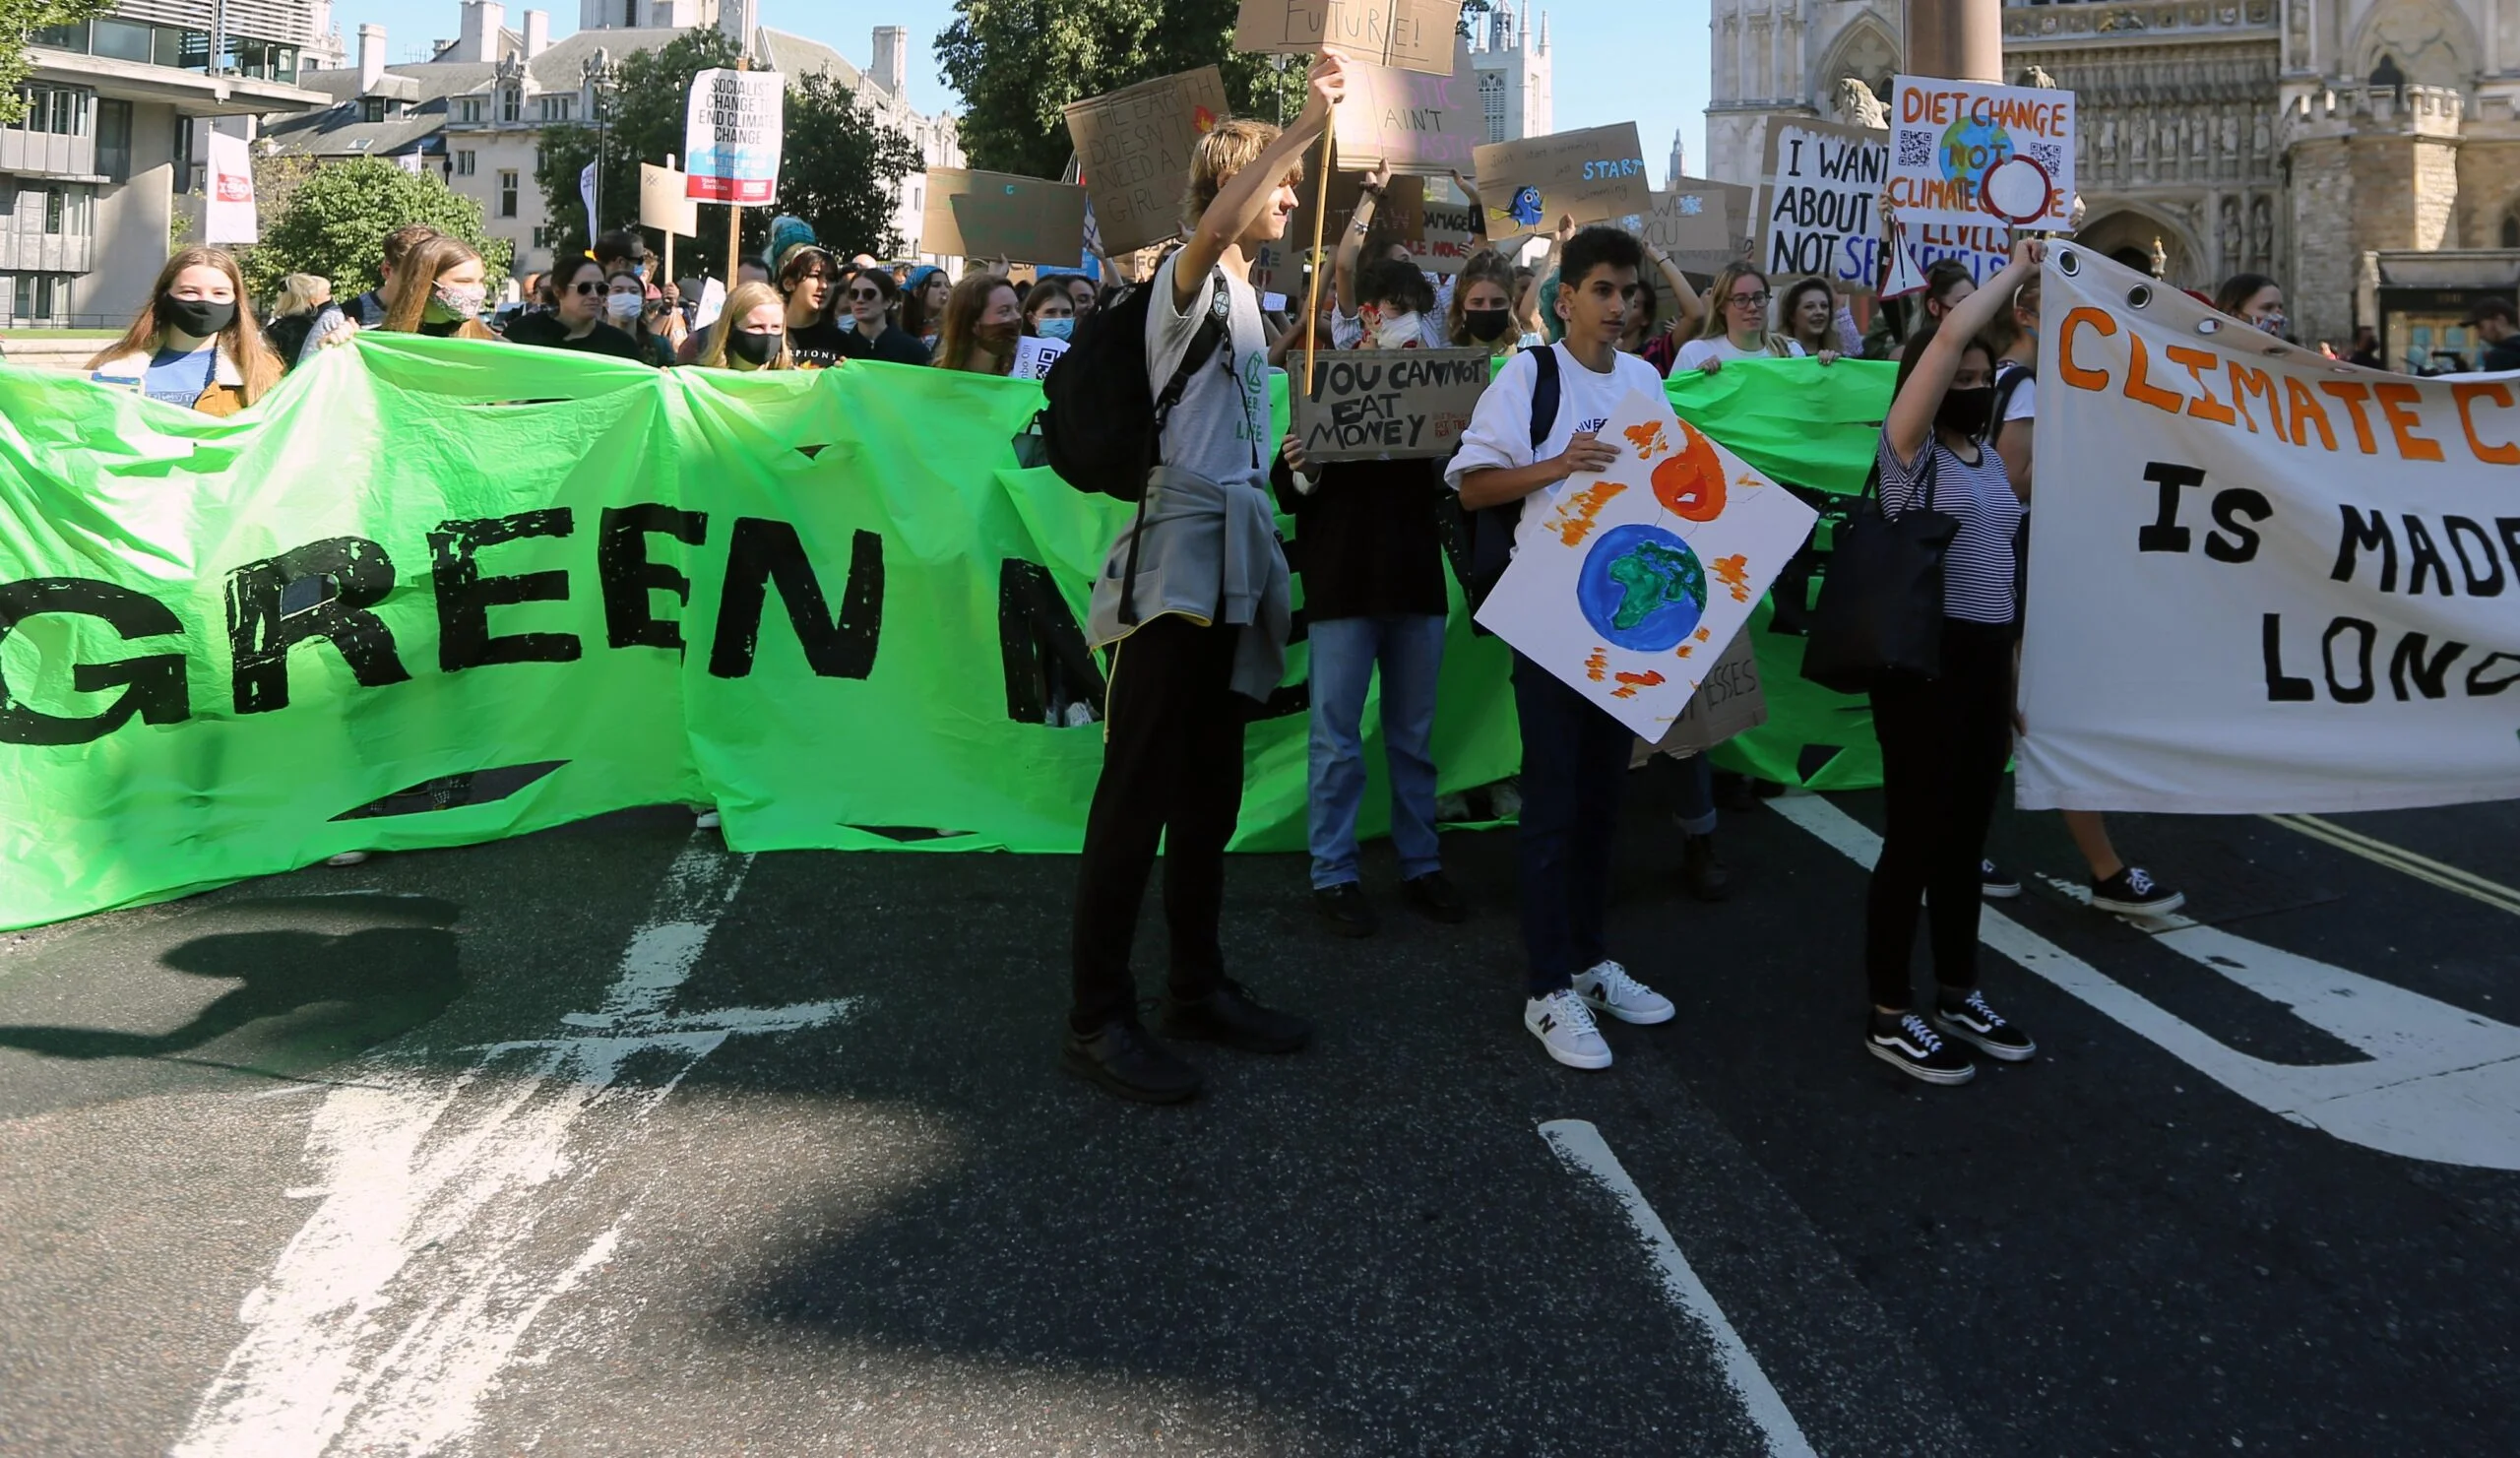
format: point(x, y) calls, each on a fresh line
point(731, 135)
point(1968, 152)
point(1134, 147)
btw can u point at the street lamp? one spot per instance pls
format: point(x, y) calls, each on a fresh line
point(592, 73)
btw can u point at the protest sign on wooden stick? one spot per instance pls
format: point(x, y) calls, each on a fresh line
point(1413, 35)
point(1591, 175)
point(999, 215)
point(1134, 149)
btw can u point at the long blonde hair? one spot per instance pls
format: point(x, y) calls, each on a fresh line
point(746, 298)
point(299, 292)
point(1719, 298)
point(241, 341)
point(407, 293)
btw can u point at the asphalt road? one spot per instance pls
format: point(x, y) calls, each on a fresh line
point(609, 1142)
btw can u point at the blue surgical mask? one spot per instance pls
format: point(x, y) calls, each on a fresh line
point(1054, 329)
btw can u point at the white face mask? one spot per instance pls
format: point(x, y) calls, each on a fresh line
point(623, 307)
point(1400, 332)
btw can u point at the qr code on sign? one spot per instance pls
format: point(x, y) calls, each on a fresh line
point(1916, 148)
point(2047, 154)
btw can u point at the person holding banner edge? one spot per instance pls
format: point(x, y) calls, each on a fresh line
point(1534, 430)
point(1196, 615)
point(1945, 741)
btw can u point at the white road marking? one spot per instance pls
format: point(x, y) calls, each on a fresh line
point(1581, 1146)
point(2440, 1082)
point(391, 1314)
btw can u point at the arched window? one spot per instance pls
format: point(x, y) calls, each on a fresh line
point(2511, 228)
point(2388, 75)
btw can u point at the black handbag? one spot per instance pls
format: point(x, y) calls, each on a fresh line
point(1881, 613)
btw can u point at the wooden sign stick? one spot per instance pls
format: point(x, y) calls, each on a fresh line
point(1312, 295)
point(734, 210)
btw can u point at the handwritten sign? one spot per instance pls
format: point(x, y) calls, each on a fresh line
point(1591, 175)
point(1968, 152)
point(999, 215)
point(1699, 224)
point(1641, 574)
point(1818, 208)
point(665, 201)
point(1134, 148)
point(1429, 125)
point(1412, 34)
point(1376, 405)
point(1449, 236)
point(1400, 216)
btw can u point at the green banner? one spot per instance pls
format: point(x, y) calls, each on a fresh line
point(431, 592)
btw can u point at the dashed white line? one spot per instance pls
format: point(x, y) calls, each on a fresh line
point(1581, 1146)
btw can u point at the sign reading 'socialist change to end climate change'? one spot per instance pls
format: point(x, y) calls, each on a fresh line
point(2262, 581)
point(1968, 152)
point(731, 135)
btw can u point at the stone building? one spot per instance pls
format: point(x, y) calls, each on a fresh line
point(1516, 86)
point(2365, 154)
point(475, 110)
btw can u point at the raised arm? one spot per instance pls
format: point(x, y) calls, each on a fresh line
point(1478, 212)
point(1692, 309)
point(1238, 204)
point(1910, 423)
point(1352, 242)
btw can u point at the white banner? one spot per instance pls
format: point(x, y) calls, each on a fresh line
point(585, 194)
point(228, 193)
point(2260, 580)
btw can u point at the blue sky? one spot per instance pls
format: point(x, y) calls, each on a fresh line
point(1609, 68)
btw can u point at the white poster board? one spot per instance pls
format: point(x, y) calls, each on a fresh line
point(2261, 581)
point(227, 209)
point(1646, 571)
point(665, 201)
point(1969, 153)
point(731, 136)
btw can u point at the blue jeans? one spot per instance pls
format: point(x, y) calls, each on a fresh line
point(1574, 767)
point(1696, 808)
point(1410, 649)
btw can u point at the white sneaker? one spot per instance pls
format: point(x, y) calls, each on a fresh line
point(704, 820)
point(1608, 989)
point(347, 857)
point(1564, 1026)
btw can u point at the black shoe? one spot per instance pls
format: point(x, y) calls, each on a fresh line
point(2134, 893)
point(1993, 884)
point(1434, 898)
point(1702, 874)
point(1904, 1043)
point(1734, 793)
point(1345, 909)
point(1973, 1022)
point(1229, 1016)
point(1122, 1057)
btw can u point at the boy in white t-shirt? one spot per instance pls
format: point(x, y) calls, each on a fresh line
point(1574, 755)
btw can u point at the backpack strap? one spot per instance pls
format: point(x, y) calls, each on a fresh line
point(2005, 389)
point(1203, 347)
point(1545, 393)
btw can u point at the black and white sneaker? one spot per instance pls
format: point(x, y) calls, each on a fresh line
point(1995, 884)
point(1974, 1023)
point(1904, 1043)
point(2132, 892)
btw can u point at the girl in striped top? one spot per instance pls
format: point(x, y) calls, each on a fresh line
point(1944, 740)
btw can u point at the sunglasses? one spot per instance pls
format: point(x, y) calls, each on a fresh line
point(586, 289)
point(863, 296)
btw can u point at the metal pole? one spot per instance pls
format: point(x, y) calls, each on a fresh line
point(1955, 39)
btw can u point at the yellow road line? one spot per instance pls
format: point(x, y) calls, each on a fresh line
point(2406, 862)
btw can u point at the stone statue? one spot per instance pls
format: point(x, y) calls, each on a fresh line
point(2038, 77)
point(1858, 106)
point(2261, 233)
point(2228, 236)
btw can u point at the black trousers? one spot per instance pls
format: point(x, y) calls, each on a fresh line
point(1171, 773)
point(1574, 768)
point(1944, 743)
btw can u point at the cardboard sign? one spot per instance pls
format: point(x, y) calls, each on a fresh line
point(1391, 404)
point(732, 133)
point(1699, 224)
point(665, 201)
point(1593, 175)
point(1819, 201)
point(1412, 34)
point(1133, 152)
point(1428, 125)
point(1971, 154)
point(1401, 215)
point(1729, 702)
point(1448, 238)
point(999, 215)
point(1646, 571)
point(1034, 356)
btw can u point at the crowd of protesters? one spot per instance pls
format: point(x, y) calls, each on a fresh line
point(1600, 315)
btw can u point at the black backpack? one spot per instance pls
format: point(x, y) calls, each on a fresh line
point(1102, 429)
point(1487, 535)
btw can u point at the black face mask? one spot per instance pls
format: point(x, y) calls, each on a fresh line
point(753, 346)
point(1967, 412)
point(198, 317)
point(1486, 325)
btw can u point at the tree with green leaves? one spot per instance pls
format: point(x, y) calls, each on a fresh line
point(19, 23)
point(1020, 63)
point(333, 224)
point(840, 168)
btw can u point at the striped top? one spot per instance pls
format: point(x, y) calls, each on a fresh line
point(1981, 569)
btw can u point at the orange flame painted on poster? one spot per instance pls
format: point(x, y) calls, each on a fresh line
point(1735, 573)
point(1629, 684)
point(1649, 440)
point(1575, 515)
point(1598, 664)
point(1690, 483)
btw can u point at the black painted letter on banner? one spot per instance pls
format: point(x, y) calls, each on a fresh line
point(466, 595)
point(762, 552)
point(260, 634)
point(2166, 534)
point(152, 684)
point(623, 566)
